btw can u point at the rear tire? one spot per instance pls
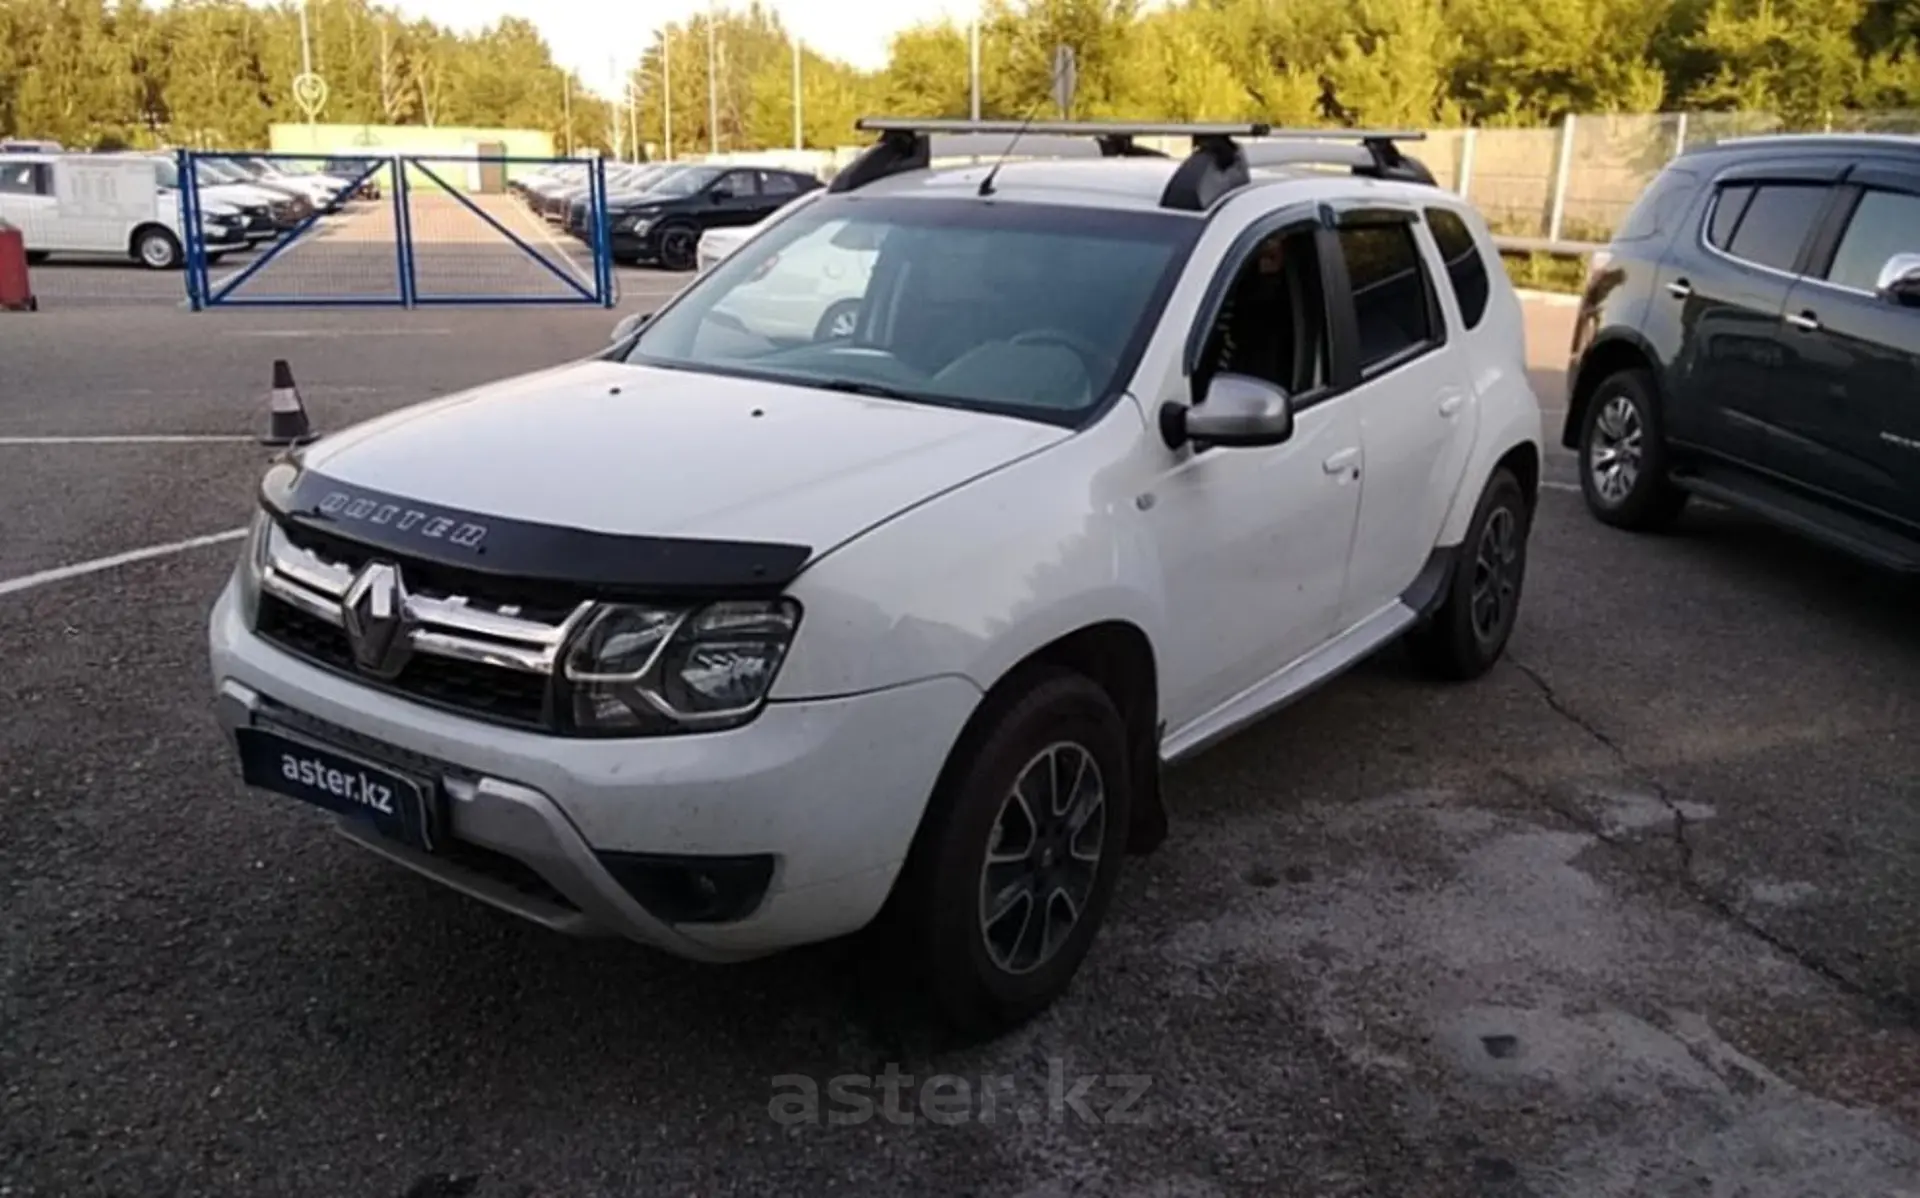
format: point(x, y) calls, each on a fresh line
point(1623, 456)
point(1029, 819)
point(1470, 630)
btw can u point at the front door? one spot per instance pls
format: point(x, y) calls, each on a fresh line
point(1849, 419)
point(1253, 542)
point(733, 200)
point(1730, 277)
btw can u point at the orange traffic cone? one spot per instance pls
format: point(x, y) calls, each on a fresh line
point(286, 415)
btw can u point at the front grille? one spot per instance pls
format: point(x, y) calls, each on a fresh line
point(474, 646)
point(500, 696)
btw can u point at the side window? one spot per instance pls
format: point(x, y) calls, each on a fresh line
point(18, 178)
point(1728, 207)
point(773, 183)
point(739, 183)
point(1776, 223)
point(1885, 223)
point(1466, 265)
point(1390, 293)
point(1272, 320)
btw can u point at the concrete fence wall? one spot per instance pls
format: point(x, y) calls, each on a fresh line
point(1571, 182)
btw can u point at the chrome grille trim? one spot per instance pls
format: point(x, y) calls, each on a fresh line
point(454, 626)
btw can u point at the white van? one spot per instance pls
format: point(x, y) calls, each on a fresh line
point(89, 205)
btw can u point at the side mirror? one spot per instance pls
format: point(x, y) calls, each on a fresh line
point(1240, 411)
point(1900, 280)
point(630, 324)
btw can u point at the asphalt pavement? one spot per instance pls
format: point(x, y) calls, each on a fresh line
point(1637, 914)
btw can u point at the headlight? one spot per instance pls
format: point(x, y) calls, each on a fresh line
point(641, 671)
point(252, 565)
point(637, 224)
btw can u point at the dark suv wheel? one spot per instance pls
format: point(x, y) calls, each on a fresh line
point(1623, 457)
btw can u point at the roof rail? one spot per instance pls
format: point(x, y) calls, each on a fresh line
point(1217, 165)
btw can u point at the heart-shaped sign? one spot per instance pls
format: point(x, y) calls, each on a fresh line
point(310, 93)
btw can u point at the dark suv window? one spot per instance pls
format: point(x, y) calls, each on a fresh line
point(1466, 265)
point(1886, 223)
point(1772, 225)
point(1390, 291)
point(777, 183)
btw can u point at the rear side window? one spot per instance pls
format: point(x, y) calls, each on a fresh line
point(1466, 265)
point(1886, 223)
point(1657, 211)
point(1776, 223)
point(773, 183)
point(1727, 210)
point(1390, 290)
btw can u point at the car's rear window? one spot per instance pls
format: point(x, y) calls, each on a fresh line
point(1659, 209)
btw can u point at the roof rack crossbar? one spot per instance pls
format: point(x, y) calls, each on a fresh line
point(1217, 164)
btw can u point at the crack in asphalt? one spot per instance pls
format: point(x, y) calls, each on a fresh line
point(1902, 1007)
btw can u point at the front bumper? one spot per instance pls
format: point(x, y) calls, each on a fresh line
point(832, 789)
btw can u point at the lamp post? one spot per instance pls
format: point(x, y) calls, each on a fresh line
point(799, 140)
point(713, 87)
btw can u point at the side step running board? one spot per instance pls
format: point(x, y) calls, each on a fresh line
point(1872, 542)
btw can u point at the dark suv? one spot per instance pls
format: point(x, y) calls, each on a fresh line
point(1752, 336)
point(664, 224)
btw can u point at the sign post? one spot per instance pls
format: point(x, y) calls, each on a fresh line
point(1066, 76)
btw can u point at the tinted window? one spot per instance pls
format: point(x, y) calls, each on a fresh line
point(1271, 323)
point(1658, 209)
point(1776, 223)
point(1023, 308)
point(1886, 223)
point(740, 183)
point(16, 178)
point(774, 183)
point(1728, 208)
point(1390, 291)
point(1466, 265)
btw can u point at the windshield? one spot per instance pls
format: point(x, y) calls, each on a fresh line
point(216, 173)
point(166, 174)
point(1028, 309)
point(684, 182)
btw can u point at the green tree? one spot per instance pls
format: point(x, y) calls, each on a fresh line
point(1797, 58)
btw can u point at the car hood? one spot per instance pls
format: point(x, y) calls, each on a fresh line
point(643, 451)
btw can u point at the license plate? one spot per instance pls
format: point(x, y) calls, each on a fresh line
point(394, 804)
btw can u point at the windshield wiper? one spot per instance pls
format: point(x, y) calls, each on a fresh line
point(861, 387)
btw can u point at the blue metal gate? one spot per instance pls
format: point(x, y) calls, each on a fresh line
point(407, 231)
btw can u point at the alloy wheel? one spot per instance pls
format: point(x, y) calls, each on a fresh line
point(1496, 575)
point(1613, 459)
point(1043, 857)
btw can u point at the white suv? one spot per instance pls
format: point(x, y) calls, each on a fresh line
point(731, 639)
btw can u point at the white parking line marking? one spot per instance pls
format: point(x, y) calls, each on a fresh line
point(1551, 485)
point(356, 333)
point(133, 439)
point(81, 569)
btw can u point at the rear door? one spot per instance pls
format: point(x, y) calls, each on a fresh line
point(1849, 415)
point(1729, 282)
point(26, 201)
point(1411, 394)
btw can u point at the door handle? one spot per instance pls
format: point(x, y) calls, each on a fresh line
point(1340, 462)
point(1451, 404)
point(1804, 320)
point(1680, 289)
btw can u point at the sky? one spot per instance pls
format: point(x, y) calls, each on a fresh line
point(583, 33)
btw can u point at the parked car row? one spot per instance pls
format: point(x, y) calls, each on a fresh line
point(658, 212)
point(129, 204)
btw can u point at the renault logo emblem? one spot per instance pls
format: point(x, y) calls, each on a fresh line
point(375, 616)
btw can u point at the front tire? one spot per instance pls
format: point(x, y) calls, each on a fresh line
point(157, 249)
point(679, 247)
point(1015, 863)
point(1623, 456)
point(1470, 630)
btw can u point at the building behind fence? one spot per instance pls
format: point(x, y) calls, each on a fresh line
point(1570, 183)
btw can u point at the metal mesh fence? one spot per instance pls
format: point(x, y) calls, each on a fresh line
point(311, 240)
point(473, 245)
